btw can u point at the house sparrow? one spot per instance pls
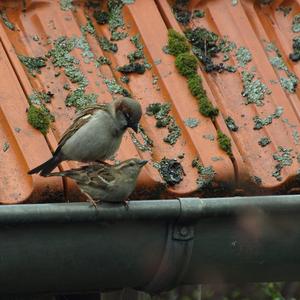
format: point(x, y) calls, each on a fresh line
point(95, 134)
point(106, 183)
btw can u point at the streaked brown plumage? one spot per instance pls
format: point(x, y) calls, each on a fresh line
point(106, 183)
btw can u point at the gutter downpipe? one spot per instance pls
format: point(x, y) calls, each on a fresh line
point(154, 246)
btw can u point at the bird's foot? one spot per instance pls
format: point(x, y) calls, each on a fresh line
point(93, 203)
point(125, 203)
point(91, 200)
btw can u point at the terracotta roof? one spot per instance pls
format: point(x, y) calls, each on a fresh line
point(264, 31)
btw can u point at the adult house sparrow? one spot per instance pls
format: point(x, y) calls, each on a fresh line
point(95, 134)
point(106, 183)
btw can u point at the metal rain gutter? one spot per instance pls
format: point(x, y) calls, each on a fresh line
point(153, 246)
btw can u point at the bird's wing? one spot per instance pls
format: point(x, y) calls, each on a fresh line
point(102, 175)
point(81, 119)
point(98, 175)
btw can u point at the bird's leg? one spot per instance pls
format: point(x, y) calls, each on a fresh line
point(91, 200)
point(125, 203)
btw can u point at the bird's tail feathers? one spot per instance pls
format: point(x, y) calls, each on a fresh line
point(63, 173)
point(45, 168)
point(74, 174)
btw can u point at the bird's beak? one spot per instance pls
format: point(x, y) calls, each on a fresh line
point(143, 162)
point(135, 127)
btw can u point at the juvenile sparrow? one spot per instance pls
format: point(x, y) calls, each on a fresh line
point(95, 134)
point(106, 183)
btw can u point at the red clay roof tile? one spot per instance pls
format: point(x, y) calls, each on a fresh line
point(248, 24)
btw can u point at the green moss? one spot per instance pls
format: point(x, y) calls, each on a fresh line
point(198, 14)
point(170, 170)
point(206, 108)
point(181, 12)
point(138, 54)
point(163, 119)
point(132, 68)
point(114, 19)
point(226, 46)
point(164, 122)
point(254, 90)
point(295, 56)
point(206, 174)
point(224, 142)
point(284, 158)
point(296, 23)
point(102, 60)
point(264, 141)
point(60, 54)
point(5, 146)
point(147, 142)
point(231, 124)
point(61, 57)
point(177, 43)
point(191, 122)
point(115, 88)
point(107, 46)
point(80, 99)
point(259, 123)
point(115, 14)
point(284, 9)
point(206, 45)
point(209, 137)
point(182, 15)
point(82, 44)
point(35, 38)
point(278, 63)
point(296, 137)
point(66, 5)
point(158, 110)
point(88, 27)
point(195, 85)
point(39, 118)
point(135, 40)
point(290, 82)
point(101, 17)
point(76, 76)
point(174, 132)
point(5, 20)
point(243, 56)
point(257, 180)
point(66, 86)
point(40, 98)
point(186, 64)
point(33, 64)
point(117, 36)
point(204, 42)
point(127, 1)
point(125, 79)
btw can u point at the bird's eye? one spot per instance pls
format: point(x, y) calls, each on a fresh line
point(131, 164)
point(127, 116)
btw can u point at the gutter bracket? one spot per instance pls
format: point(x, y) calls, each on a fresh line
point(176, 258)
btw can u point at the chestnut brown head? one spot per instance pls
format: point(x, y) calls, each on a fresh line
point(132, 111)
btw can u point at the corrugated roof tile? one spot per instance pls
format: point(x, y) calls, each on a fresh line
point(257, 154)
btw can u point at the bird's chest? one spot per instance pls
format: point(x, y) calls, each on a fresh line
point(119, 191)
point(97, 140)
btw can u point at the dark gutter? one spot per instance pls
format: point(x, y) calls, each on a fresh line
point(153, 246)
